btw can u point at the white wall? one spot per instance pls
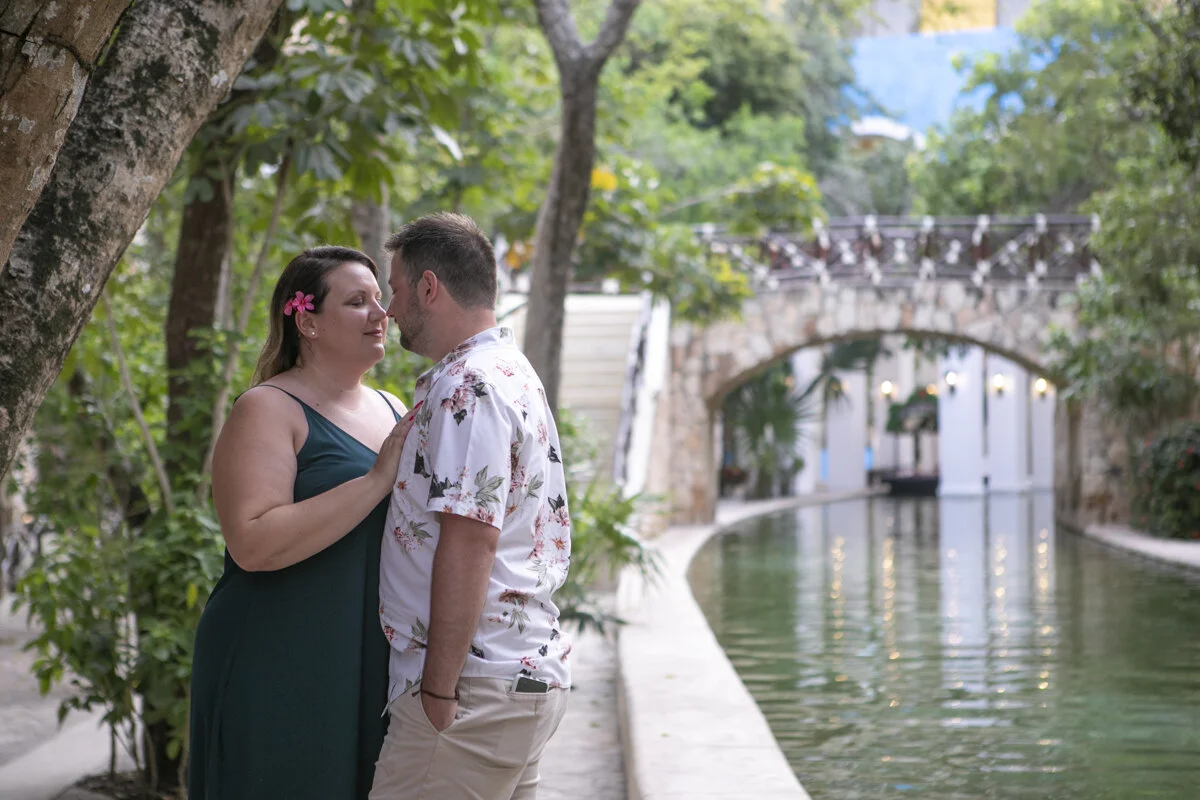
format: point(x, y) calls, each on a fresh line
point(1041, 435)
point(906, 381)
point(806, 365)
point(846, 434)
point(886, 446)
point(1007, 426)
point(960, 423)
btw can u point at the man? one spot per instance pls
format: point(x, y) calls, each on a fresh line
point(478, 538)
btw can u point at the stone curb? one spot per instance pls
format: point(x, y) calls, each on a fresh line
point(1171, 551)
point(690, 728)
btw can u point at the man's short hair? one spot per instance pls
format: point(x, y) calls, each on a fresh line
point(452, 247)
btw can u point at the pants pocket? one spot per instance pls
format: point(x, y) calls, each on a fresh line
point(517, 727)
point(414, 709)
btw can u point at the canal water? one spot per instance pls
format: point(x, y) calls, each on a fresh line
point(960, 648)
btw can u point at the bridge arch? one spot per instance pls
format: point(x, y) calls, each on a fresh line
point(1011, 320)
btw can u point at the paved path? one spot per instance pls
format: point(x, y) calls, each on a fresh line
point(26, 718)
point(38, 761)
point(583, 760)
point(37, 758)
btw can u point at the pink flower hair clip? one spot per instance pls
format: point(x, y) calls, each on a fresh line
point(301, 302)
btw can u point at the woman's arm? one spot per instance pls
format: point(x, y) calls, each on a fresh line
point(254, 470)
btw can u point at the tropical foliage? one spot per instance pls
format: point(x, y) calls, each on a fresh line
point(765, 417)
point(1167, 489)
point(763, 421)
point(1057, 120)
point(1168, 78)
point(604, 531)
point(916, 414)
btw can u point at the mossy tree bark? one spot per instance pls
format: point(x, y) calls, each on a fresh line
point(203, 271)
point(48, 52)
point(168, 67)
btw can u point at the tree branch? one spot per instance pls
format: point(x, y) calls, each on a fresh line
point(558, 23)
point(616, 23)
point(164, 485)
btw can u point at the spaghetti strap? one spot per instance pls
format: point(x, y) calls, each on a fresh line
point(395, 413)
point(285, 391)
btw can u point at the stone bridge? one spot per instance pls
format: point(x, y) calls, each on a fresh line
point(1002, 284)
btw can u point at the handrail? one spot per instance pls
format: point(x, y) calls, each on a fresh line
point(635, 364)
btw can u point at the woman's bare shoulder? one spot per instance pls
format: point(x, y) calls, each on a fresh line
point(269, 407)
point(395, 402)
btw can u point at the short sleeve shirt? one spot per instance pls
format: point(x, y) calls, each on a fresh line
point(484, 446)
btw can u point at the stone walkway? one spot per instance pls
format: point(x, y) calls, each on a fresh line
point(39, 762)
point(37, 758)
point(583, 759)
point(26, 718)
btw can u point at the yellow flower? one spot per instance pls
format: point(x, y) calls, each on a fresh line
point(603, 180)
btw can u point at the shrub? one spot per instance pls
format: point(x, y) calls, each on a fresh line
point(604, 539)
point(1166, 492)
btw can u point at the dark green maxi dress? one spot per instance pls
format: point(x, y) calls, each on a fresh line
point(290, 673)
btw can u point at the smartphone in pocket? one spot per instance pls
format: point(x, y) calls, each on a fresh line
point(523, 684)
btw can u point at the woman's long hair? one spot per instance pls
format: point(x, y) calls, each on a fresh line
point(307, 273)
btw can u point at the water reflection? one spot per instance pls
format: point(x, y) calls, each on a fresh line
point(959, 648)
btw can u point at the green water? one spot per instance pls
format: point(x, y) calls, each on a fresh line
point(960, 649)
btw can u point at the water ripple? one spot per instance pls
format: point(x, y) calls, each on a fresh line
point(964, 651)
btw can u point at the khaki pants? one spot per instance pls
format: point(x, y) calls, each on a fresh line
point(490, 752)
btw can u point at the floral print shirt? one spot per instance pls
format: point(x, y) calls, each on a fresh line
point(483, 446)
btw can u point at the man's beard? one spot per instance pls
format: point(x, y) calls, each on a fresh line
point(413, 329)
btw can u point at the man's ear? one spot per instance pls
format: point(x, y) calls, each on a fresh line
point(429, 287)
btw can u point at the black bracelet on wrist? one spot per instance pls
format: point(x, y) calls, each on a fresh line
point(441, 696)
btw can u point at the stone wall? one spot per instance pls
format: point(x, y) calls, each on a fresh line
point(1091, 465)
point(658, 473)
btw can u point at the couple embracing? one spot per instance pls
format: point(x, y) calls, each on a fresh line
point(385, 626)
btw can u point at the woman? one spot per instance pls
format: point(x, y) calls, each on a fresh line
point(289, 679)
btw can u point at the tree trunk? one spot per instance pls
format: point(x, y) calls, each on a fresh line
point(205, 237)
point(47, 53)
point(561, 214)
point(171, 63)
point(558, 223)
point(372, 222)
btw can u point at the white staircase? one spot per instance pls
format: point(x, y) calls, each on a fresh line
point(596, 344)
